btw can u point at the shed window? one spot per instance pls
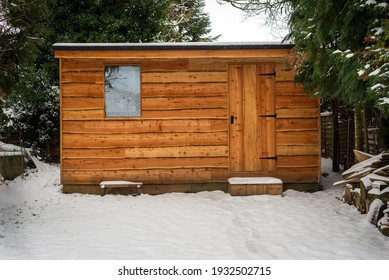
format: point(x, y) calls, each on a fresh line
point(122, 91)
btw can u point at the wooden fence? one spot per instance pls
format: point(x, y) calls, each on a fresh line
point(346, 140)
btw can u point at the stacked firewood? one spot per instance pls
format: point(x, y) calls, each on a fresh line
point(366, 186)
point(383, 223)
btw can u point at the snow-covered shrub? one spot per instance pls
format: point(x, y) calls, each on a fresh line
point(32, 110)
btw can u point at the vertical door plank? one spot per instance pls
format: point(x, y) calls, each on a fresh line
point(235, 108)
point(266, 125)
point(251, 158)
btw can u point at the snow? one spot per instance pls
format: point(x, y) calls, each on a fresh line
point(10, 154)
point(117, 183)
point(384, 100)
point(325, 114)
point(253, 180)
point(377, 86)
point(373, 211)
point(378, 184)
point(374, 191)
point(38, 221)
point(370, 2)
point(9, 147)
point(386, 190)
point(375, 72)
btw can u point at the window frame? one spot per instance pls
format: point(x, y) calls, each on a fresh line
point(140, 91)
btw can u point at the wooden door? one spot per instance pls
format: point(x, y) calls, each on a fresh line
point(252, 117)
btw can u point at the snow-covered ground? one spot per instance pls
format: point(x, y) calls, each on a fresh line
point(37, 221)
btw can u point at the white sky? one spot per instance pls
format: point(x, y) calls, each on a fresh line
point(231, 23)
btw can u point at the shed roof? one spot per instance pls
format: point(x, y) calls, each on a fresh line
point(174, 46)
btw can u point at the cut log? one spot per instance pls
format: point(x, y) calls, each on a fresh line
point(366, 183)
point(357, 198)
point(385, 156)
point(347, 196)
point(384, 195)
point(376, 211)
point(383, 171)
point(371, 196)
point(379, 185)
point(345, 182)
point(361, 156)
point(376, 177)
point(361, 167)
point(363, 196)
point(378, 164)
point(383, 223)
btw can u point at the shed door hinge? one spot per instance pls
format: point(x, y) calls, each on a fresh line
point(268, 74)
point(270, 158)
point(268, 116)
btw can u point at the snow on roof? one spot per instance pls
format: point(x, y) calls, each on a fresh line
point(253, 180)
point(10, 154)
point(172, 46)
point(9, 147)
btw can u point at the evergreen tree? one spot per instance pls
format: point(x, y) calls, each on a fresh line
point(187, 22)
point(22, 25)
point(109, 21)
point(29, 28)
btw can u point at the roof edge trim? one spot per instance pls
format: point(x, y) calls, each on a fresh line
point(171, 46)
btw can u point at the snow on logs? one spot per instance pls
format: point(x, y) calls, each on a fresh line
point(366, 186)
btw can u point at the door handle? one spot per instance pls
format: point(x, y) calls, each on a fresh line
point(232, 119)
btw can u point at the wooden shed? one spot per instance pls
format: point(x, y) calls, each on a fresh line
point(184, 116)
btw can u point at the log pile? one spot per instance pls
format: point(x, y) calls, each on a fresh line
point(366, 186)
point(383, 223)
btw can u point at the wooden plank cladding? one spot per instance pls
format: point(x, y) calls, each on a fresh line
point(183, 133)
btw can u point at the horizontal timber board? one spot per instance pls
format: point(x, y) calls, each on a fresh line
point(285, 74)
point(94, 114)
point(144, 163)
point(298, 161)
point(151, 176)
point(287, 174)
point(131, 54)
point(182, 151)
point(288, 150)
point(184, 77)
point(151, 189)
point(152, 103)
point(288, 88)
point(99, 114)
point(308, 112)
point(174, 64)
point(297, 138)
point(143, 126)
point(207, 113)
point(82, 77)
point(82, 90)
point(285, 102)
point(299, 174)
point(154, 152)
point(143, 140)
point(174, 103)
point(71, 65)
point(114, 153)
point(183, 89)
point(297, 124)
point(82, 103)
point(183, 176)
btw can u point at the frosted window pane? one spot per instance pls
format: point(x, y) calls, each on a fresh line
point(122, 91)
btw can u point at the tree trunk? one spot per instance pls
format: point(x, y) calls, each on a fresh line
point(365, 130)
point(358, 126)
point(335, 136)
